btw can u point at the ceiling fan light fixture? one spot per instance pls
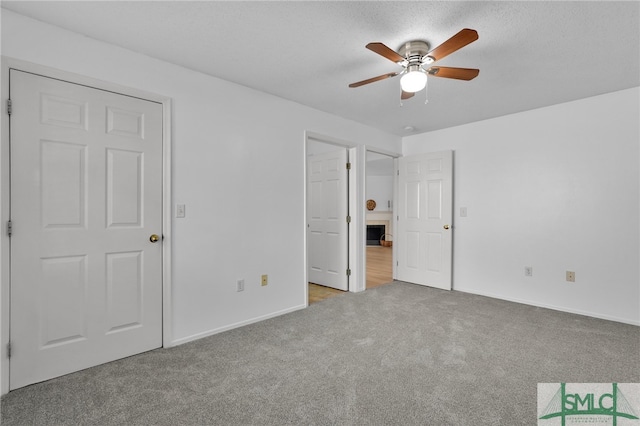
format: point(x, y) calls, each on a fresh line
point(414, 80)
point(416, 56)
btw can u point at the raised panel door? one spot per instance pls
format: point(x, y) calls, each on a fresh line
point(86, 194)
point(327, 211)
point(424, 219)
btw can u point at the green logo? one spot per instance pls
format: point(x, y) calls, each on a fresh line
point(592, 400)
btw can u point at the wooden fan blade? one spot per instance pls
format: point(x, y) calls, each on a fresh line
point(385, 51)
point(374, 79)
point(457, 73)
point(406, 95)
point(456, 42)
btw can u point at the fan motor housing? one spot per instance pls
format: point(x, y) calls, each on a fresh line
point(414, 50)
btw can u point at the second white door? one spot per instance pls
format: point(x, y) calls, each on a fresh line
point(327, 211)
point(86, 196)
point(424, 219)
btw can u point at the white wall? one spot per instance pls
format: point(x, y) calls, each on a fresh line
point(379, 181)
point(238, 164)
point(557, 189)
point(380, 189)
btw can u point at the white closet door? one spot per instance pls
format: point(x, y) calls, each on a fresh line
point(86, 196)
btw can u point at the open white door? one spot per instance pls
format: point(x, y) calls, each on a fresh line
point(86, 197)
point(424, 219)
point(327, 211)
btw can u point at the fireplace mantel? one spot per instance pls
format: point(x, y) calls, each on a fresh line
point(380, 215)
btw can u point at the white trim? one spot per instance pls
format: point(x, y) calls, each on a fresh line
point(5, 260)
point(313, 136)
point(383, 152)
point(203, 334)
point(167, 229)
point(394, 219)
point(394, 248)
point(357, 230)
point(305, 222)
point(548, 306)
point(8, 63)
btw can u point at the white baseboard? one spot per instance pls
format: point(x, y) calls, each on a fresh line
point(208, 333)
point(553, 307)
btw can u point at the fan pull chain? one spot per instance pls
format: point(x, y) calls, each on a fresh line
point(426, 87)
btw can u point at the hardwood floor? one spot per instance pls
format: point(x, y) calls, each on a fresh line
point(318, 293)
point(379, 272)
point(379, 268)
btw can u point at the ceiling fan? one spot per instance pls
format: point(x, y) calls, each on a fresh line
point(414, 55)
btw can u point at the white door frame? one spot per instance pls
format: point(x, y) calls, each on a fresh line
point(394, 219)
point(5, 187)
point(357, 209)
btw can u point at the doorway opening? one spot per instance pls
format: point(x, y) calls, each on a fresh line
point(379, 193)
point(366, 167)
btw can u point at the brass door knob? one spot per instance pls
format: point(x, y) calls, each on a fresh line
point(154, 238)
point(446, 227)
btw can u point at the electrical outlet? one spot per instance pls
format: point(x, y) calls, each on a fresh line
point(528, 271)
point(571, 276)
point(265, 280)
point(240, 285)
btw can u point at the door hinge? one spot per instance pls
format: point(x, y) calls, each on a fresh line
point(9, 228)
point(9, 350)
point(348, 166)
point(348, 272)
point(348, 219)
point(9, 106)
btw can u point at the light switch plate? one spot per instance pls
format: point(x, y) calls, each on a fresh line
point(180, 210)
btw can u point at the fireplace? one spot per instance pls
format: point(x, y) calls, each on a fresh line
point(379, 224)
point(374, 232)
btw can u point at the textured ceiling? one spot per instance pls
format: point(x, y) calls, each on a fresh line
point(530, 54)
